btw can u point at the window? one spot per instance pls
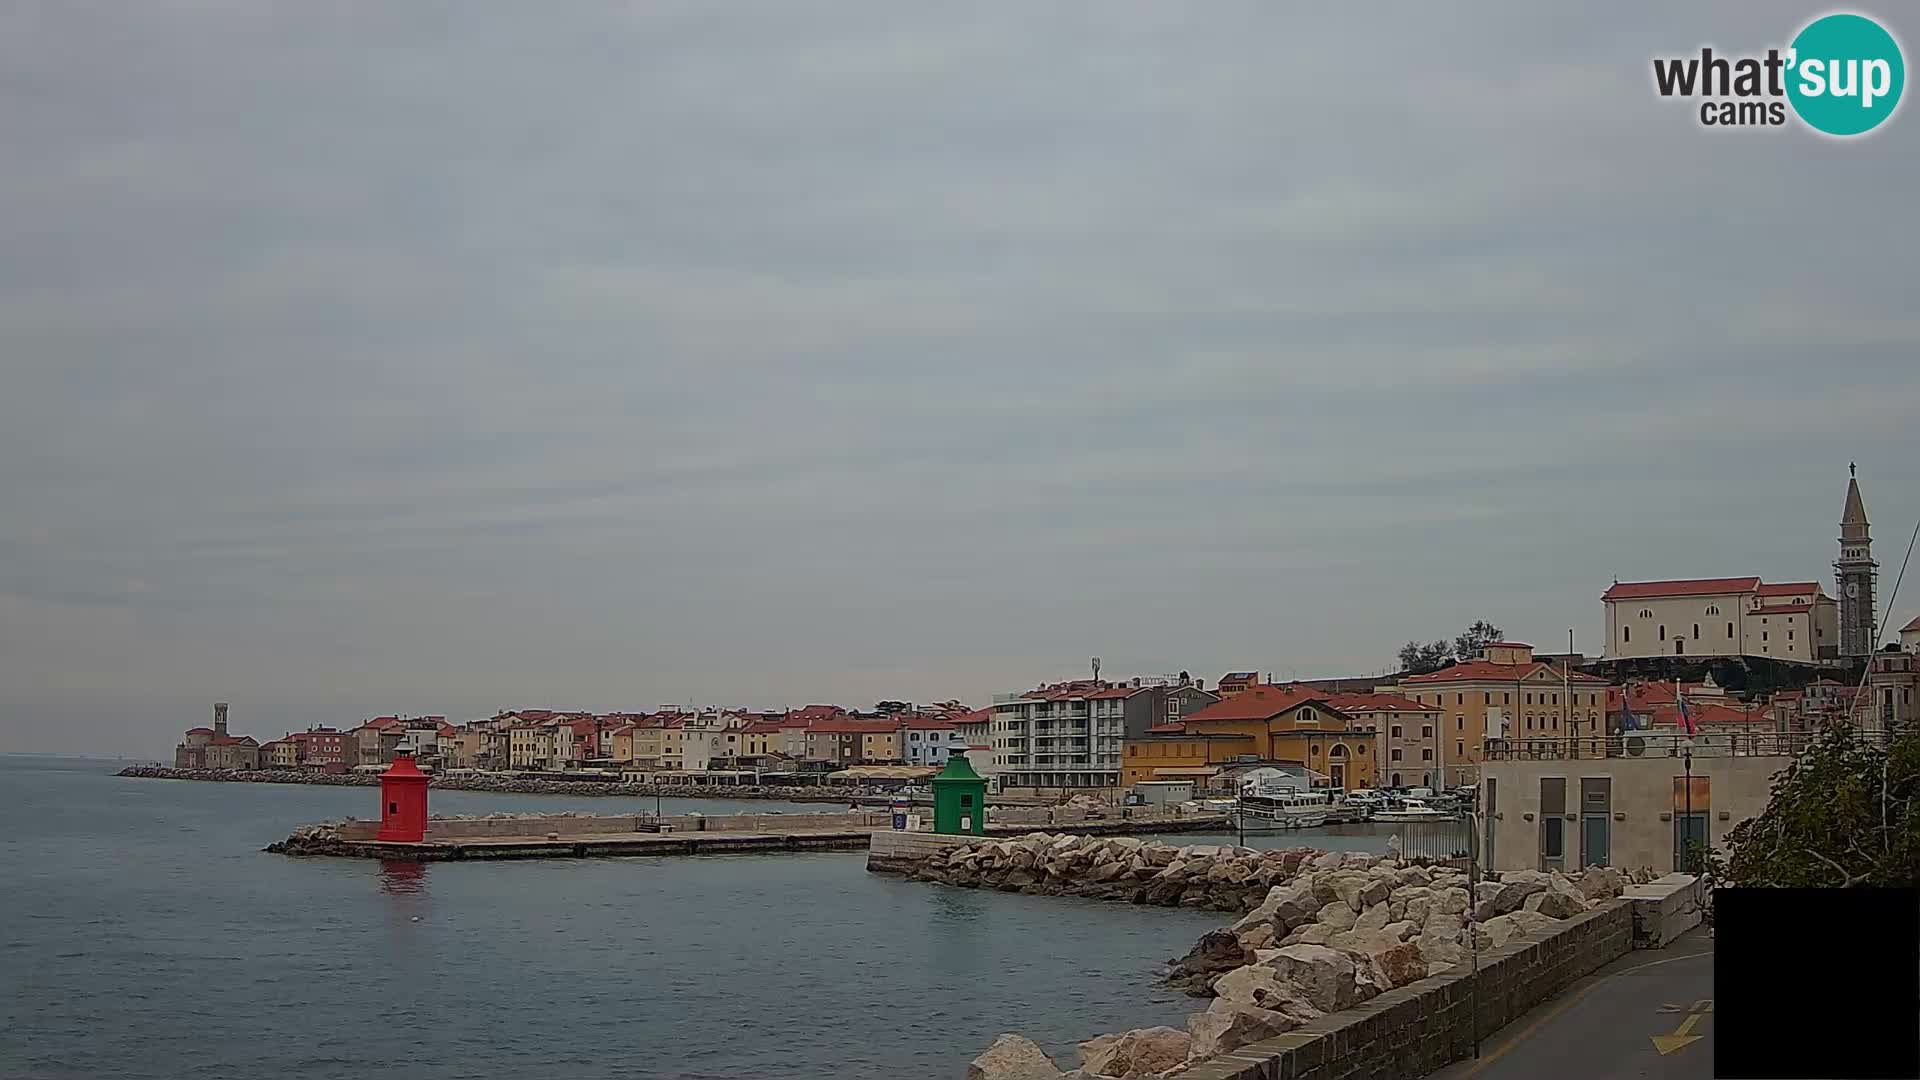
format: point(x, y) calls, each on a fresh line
point(1133, 751)
point(1426, 731)
point(1763, 635)
point(1626, 633)
point(1552, 836)
point(1489, 700)
point(1696, 631)
point(1729, 631)
point(1459, 749)
point(1459, 699)
point(1529, 699)
point(1663, 631)
point(1712, 609)
point(1506, 699)
point(1459, 723)
point(1394, 754)
point(1789, 635)
point(1646, 613)
point(1395, 732)
point(1427, 754)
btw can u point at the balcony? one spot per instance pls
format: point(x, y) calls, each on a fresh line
point(1663, 744)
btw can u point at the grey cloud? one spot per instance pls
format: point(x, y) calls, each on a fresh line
point(450, 356)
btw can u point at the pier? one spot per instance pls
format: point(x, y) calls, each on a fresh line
point(581, 836)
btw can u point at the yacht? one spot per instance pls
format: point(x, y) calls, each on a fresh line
point(1282, 810)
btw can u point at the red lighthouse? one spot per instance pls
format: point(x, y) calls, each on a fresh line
point(403, 802)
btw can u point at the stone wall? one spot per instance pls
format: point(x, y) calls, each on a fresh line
point(1665, 908)
point(1421, 1027)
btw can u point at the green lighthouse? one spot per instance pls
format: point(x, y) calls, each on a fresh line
point(960, 798)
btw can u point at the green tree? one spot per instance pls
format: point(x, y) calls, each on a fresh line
point(1418, 659)
point(1841, 815)
point(1476, 638)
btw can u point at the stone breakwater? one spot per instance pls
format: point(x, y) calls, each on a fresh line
point(513, 785)
point(1321, 932)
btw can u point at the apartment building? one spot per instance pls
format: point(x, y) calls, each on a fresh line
point(1506, 694)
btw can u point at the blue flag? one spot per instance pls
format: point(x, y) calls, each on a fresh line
point(1627, 722)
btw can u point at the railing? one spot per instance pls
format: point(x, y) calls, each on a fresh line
point(1437, 841)
point(1665, 744)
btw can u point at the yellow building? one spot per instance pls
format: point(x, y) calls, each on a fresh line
point(1265, 723)
point(1507, 694)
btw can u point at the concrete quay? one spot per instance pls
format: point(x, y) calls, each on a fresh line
point(582, 836)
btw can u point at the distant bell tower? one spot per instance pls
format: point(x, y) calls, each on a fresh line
point(219, 718)
point(1854, 572)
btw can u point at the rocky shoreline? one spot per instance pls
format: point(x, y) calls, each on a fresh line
point(1321, 933)
point(513, 786)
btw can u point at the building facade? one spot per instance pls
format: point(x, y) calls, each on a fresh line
point(1892, 701)
point(1264, 724)
point(1507, 696)
point(1703, 617)
point(1408, 744)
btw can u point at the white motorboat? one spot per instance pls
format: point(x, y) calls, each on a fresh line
point(1410, 810)
point(1282, 810)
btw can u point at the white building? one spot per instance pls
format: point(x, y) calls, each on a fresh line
point(1740, 616)
point(1067, 735)
point(925, 740)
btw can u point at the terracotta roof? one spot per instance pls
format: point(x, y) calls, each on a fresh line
point(854, 727)
point(1912, 626)
point(981, 716)
point(199, 731)
point(1488, 671)
point(1118, 692)
point(1171, 727)
point(928, 723)
point(1646, 590)
point(1507, 645)
point(1789, 588)
point(1257, 703)
point(1377, 703)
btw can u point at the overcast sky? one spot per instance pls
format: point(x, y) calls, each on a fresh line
point(437, 358)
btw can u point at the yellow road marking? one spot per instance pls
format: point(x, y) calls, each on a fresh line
point(1683, 1035)
point(1553, 1013)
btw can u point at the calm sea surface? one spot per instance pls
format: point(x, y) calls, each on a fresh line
point(144, 934)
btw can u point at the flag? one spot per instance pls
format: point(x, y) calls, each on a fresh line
point(1626, 721)
point(1686, 714)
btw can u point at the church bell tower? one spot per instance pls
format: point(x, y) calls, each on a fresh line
point(1854, 573)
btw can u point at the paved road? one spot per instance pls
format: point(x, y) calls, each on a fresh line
point(1604, 1025)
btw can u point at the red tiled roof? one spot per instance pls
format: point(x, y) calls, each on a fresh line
point(1912, 626)
point(1789, 588)
point(1488, 671)
point(199, 731)
point(1257, 703)
point(928, 723)
point(1646, 590)
point(853, 727)
point(1377, 703)
point(1171, 727)
point(981, 716)
point(1118, 692)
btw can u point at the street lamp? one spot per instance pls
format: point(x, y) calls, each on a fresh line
point(1686, 828)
